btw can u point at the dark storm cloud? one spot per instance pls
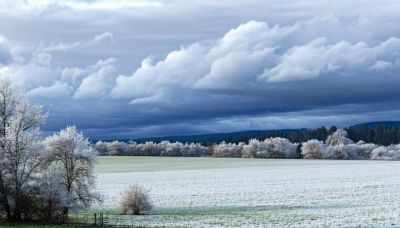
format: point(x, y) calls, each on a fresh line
point(142, 68)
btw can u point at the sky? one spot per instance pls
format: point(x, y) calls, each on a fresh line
point(142, 68)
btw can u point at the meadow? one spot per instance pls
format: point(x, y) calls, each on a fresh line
point(207, 191)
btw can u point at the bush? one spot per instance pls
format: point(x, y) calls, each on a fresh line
point(135, 200)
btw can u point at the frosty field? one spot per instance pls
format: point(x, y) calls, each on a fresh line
point(204, 192)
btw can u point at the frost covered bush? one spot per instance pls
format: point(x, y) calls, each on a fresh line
point(117, 148)
point(391, 152)
point(101, 147)
point(164, 148)
point(337, 146)
point(150, 149)
point(224, 149)
point(135, 200)
point(270, 148)
point(313, 149)
point(277, 148)
point(195, 150)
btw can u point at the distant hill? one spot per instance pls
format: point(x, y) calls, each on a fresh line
point(378, 123)
point(356, 133)
point(218, 137)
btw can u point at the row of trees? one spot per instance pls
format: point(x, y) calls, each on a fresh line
point(337, 146)
point(164, 148)
point(40, 179)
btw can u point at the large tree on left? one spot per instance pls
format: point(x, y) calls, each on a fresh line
point(20, 157)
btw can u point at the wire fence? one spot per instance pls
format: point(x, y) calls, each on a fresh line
point(96, 219)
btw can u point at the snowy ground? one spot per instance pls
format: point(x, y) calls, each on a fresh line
point(204, 192)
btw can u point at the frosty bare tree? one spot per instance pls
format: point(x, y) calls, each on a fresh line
point(74, 153)
point(135, 200)
point(19, 150)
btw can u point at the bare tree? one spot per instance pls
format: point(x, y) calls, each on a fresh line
point(74, 153)
point(135, 200)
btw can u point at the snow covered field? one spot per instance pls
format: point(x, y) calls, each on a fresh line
point(204, 192)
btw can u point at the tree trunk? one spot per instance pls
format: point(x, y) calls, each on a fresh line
point(66, 212)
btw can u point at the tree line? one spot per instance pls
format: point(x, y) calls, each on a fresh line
point(381, 135)
point(378, 134)
point(337, 145)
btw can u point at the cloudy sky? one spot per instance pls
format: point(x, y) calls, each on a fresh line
point(138, 68)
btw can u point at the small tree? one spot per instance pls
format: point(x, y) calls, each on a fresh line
point(75, 156)
point(135, 200)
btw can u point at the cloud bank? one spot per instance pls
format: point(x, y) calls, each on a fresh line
point(131, 70)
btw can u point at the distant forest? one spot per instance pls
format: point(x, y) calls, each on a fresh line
point(381, 133)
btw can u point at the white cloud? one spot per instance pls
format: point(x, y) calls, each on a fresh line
point(43, 5)
point(99, 80)
point(102, 37)
point(96, 40)
point(320, 57)
point(35, 73)
point(42, 79)
point(57, 90)
point(231, 63)
point(109, 4)
point(249, 58)
point(381, 65)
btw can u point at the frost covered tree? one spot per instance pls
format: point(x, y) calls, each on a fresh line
point(337, 146)
point(270, 148)
point(250, 150)
point(101, 147)
point(313, 149)
point(76, 157)
point(391, 152)
point(196, 149)
point(51, 197)
point(19, 150)
point(224, 149)
point(338, 137)
point(277, 148)
point(117, 148)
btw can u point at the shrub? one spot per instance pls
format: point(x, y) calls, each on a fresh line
point(135, 200)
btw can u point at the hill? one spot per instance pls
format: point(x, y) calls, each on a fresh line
point(382, 132)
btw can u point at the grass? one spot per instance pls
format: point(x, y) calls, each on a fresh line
point(255, 192)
